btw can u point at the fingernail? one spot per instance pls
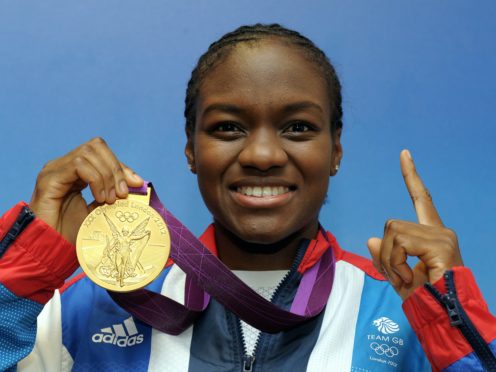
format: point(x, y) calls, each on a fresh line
point(137, 178)
point(408, 154)
point(103, 195)
point(123, 187)
point(112, 194)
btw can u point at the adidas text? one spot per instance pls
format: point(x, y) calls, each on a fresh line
point(119, 341)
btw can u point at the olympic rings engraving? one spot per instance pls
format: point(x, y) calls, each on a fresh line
point(126, 216)
point(384, 349)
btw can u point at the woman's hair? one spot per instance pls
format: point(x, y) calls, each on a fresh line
point(220, 49)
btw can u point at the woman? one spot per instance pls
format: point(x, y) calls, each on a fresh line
point(263, 124)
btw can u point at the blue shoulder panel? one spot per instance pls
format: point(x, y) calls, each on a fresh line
point(384, 340)
point(101, 336)
point(469, 362)
point(17, 327)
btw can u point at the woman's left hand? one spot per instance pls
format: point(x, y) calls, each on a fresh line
point(435, 245)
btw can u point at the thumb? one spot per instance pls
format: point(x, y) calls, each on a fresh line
point(374, 246)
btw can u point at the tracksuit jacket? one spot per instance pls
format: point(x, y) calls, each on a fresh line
point(49, 325)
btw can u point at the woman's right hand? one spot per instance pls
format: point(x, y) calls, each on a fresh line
point(57, 197)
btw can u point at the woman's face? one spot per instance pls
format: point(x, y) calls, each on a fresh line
point(262, 147)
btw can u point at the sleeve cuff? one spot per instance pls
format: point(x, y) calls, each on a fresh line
point(38, 261)
point(442, 343)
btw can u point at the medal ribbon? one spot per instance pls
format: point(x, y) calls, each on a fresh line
point(208, 276)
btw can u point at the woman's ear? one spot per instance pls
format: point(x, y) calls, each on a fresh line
point(337, 152)
point(189, 151)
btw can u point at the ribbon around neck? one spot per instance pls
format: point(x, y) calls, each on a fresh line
point(207, 276)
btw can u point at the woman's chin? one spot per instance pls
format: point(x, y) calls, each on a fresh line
point(255, 236)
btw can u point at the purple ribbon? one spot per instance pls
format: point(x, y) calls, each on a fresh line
point(208, 276)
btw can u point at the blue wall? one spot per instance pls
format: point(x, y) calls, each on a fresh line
point(417, 74)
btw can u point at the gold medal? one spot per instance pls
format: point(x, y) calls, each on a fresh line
point(124, 246)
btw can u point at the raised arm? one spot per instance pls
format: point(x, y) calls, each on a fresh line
point(450, 317)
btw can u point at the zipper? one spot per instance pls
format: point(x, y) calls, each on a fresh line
point(249, 360)
point(459, 319)
point(25, 217)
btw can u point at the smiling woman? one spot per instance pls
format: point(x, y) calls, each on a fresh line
point(263, 124)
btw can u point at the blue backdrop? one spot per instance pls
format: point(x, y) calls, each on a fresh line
point(418, 75)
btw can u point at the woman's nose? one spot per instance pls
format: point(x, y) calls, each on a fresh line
point(262, 150)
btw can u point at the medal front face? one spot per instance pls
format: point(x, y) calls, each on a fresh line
point(124, 246)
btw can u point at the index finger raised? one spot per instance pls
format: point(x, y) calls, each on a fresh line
point(421, 198)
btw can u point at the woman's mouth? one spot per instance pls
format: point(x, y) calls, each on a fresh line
point(262, 191)
point(262, 196)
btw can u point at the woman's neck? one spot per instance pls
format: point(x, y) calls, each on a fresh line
point(238, 254)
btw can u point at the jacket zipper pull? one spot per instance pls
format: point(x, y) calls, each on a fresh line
point(248, 361)
point(453, 312)
point(452, 305)
point(25, 217)
point(447, 300)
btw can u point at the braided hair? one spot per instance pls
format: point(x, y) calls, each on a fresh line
point(220, 49)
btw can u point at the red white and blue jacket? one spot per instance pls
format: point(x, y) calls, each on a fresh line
point(48, 325)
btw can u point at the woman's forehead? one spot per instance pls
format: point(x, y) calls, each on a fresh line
point(264, 71)
point(267, 59)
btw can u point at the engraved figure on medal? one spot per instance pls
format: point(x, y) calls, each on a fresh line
point(120, 258)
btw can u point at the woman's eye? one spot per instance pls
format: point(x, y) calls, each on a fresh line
point(298, 127)
point(227, 127)
point(227, 130)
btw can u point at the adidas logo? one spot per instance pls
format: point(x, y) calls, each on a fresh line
point(116, 335)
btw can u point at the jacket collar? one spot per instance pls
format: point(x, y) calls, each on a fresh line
point(316, 247)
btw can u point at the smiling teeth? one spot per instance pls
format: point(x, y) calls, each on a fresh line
point(260, 192)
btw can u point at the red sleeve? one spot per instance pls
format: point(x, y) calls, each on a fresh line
point(442, 343)
point(38, 261)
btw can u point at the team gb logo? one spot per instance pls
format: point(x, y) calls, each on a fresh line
point(386, 325)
